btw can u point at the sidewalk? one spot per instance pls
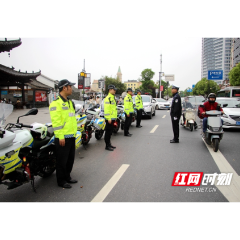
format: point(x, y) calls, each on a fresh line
point(42, 116)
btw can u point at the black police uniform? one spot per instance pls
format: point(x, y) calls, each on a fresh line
point(176, 111)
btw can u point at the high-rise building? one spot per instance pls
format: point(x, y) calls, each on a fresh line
point(119, 74)
point(216, 54)
point(235, 52)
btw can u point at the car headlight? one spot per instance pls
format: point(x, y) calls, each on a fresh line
point(225, 116)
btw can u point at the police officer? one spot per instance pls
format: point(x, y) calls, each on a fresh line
point(110, 114)
point(62, 112)
point(176, 111)
point(128, 109)
point(139, 107)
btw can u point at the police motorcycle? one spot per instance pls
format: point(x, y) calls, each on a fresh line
point(214, 133)
point(82, 124)
point(120, 120)
point(189, 116)
point(122, 116)
point(25, 154)
point(96, 122)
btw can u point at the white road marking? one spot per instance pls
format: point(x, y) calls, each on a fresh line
point(153, 130)
point(110, 184)
point(164, 116)
point(231, 192)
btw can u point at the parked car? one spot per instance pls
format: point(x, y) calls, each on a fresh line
point(148, 105)
point(170, 101)
point(162, 104)
point(231, 108)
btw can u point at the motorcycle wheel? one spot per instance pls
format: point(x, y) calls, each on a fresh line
point(215, 144)
point(99, 134)
point(47, 170)
point(191, 127)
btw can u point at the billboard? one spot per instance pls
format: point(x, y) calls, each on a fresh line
point(40, 96)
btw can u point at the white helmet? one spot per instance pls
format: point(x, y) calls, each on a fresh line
point(78, 108)
point(39, 131)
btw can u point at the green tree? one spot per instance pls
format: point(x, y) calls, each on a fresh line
point(121, 87)
point(204, 87)
point(168, 92)
point(234, 76)
point(148, 85)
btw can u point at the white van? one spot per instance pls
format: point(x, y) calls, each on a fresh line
point(229, 92)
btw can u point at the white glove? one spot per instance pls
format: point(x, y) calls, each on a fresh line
point(175, 118)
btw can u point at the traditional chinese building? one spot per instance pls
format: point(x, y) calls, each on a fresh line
point(24, 86)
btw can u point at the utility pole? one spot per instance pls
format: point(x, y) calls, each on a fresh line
point(160, 75)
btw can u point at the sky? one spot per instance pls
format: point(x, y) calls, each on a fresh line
point(62, 58)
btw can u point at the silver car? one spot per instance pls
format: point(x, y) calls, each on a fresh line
point(231, 108)
point(162, 104)
point(148, 105)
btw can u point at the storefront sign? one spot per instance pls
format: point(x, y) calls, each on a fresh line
point(3, 92)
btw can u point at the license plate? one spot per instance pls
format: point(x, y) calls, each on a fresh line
point(237, 123)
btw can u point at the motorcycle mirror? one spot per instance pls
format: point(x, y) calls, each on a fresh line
point(33, 111)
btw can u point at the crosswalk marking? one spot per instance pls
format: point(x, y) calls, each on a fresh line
point(164, 116)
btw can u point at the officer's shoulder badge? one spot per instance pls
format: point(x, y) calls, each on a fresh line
point(64, 104)
point(176, 100)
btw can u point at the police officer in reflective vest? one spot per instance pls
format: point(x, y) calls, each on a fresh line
point(62, 112)
point(176, 111)
point(139, 107)
point(128, 109)
point(110, 114)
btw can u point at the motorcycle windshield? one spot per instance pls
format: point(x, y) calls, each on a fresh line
point(5, 111)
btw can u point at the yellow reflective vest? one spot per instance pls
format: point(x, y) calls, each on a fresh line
point(110, 107)
point(63, 118)
point(128, 104)
point(138, 102)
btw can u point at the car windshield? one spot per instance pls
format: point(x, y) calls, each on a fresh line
point(144, 98)
point(160, 100)
point(233, 103)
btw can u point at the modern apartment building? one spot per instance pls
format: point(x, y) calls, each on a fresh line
point(235, 52)
point(216, 55)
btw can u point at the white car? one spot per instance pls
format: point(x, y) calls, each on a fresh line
point(148, 105)
point(162, 104)
point(231, 108)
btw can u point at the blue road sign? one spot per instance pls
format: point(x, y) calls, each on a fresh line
point(189, 90)
point(193, 86)
point(215, 74)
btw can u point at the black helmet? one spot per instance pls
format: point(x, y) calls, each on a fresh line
point(129, 89)
point(212, 95)
point(139, 91)
point(112, 87)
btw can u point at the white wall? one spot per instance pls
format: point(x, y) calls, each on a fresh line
point(45, 81)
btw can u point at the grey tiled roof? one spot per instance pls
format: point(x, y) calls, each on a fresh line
point(6, 46)
point(12, 72)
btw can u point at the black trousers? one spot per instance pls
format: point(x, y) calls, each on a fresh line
point(175, 127)
point(127, 123)
point(64, 160)
point(139, 117)
point(108, 132)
